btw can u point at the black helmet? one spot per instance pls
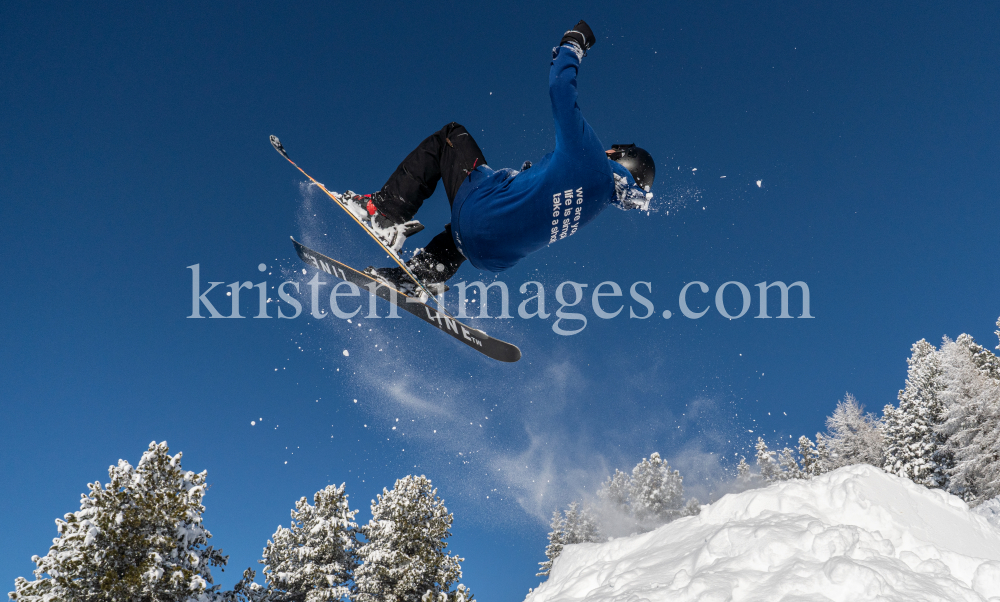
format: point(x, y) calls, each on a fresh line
point(638, 162)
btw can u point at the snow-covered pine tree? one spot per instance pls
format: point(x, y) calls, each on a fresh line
point(743, 474)
point(557, 537)
point(657, 492)
point(579, 525)
point(615, 491)
point(570, 521)
point(855, 437)
point(984, 359)
point(403, 556)
point(588, 530)
point(789, 465)
point(971, 431)
point(824, 463)
point(139, 538)
point(770, 471)
point(313, 560)
point(810, 457)
point(911, 438)
point(575, 524)
point(691, 508)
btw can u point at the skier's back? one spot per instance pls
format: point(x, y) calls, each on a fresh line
point(500, 216)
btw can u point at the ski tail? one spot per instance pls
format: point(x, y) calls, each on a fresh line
point(278, 147)
point(281, 150)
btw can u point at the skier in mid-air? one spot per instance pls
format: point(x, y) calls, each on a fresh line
point(498, 217)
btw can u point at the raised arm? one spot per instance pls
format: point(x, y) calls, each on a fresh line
point(562, 82)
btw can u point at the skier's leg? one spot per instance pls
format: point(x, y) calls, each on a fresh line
point(459, 157)
point(448, 154)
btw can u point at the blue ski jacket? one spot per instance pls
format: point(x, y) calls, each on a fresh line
point(500, 216)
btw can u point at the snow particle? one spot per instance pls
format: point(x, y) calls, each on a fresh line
point(759, 183)
point(346, 353)
point(253, 423)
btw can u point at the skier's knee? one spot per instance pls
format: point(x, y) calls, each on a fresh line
point(452, 127)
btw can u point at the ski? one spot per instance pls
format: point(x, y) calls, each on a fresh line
point(477, 339)
point(336, 199)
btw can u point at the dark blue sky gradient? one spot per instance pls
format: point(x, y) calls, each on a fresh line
point(134, 144)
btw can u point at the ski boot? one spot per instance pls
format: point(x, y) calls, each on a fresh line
point(391, 234)
point(430, 270)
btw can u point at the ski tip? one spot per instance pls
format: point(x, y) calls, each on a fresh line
point(513, 356)
point(277, 144)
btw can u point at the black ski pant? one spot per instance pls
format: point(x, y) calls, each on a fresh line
point(448, 155)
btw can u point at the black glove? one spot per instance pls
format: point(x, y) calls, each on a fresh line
point(581, 34)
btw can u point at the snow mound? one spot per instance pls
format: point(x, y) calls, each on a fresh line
point(991, 510)
point(850, 535)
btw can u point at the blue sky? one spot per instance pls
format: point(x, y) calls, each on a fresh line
point(134, 144)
